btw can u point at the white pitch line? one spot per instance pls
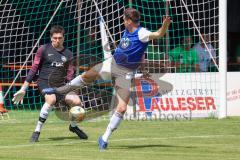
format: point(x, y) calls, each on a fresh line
point(165, 138)
point(114, 140)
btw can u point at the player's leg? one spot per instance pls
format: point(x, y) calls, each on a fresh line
point(101, 70)
point(78, 82)
point(123, 85)
point(50, 100)
point(123, 97)
point(72, 99)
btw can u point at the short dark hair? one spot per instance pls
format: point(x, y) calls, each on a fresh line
point(133, 14)
point(57, 29)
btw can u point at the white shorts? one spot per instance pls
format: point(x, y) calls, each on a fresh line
point(109, 70)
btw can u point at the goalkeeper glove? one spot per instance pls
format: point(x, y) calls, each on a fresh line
point(18, 97)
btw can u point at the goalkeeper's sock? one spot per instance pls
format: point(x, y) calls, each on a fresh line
point(46, 108)
point(113, 124)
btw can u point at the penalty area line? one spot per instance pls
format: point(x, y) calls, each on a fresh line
point(166, 138)
point(113, 140)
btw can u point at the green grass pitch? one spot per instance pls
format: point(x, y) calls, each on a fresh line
point(198, 139)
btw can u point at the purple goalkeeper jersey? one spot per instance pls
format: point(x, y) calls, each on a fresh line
point(53, 66)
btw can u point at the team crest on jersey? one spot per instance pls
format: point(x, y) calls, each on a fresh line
point(63, 58)
point(125, 43)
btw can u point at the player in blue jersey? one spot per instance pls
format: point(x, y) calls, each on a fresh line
point(55, 65)
point(126, 59)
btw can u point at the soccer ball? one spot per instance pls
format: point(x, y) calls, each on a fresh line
point(76, 114)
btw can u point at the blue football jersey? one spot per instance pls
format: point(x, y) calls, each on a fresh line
point(130, 50)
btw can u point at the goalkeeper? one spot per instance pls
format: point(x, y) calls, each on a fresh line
point(126, 59)
point(55, 66)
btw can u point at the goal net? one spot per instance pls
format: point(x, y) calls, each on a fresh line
point(184, 64)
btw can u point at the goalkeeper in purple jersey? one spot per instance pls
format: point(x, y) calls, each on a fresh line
point(126, 59)
point(55, 66)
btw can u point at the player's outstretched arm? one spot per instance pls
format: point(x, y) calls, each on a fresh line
point(18, 97)
point(161, 31)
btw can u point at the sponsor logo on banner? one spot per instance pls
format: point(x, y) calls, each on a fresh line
point(154, 98)
point(149, 98)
